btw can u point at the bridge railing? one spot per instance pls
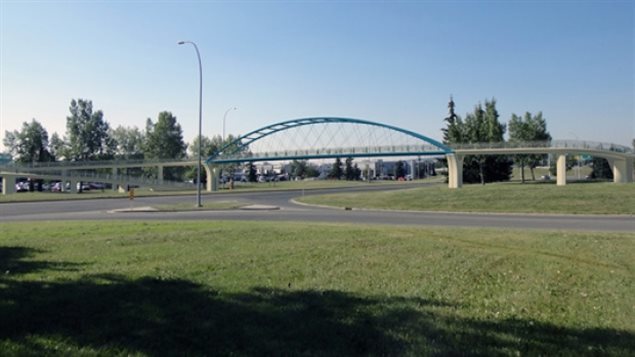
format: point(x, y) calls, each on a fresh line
point(90, 176)
point(553, 144)
point(102, 163)
point(332, 151)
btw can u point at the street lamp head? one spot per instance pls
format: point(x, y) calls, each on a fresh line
point(181, 42)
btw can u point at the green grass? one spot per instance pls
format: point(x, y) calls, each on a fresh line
point(254, 288)
point(581, 198)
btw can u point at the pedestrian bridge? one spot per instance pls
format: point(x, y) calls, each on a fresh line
point(327, 138)
point(330, 137)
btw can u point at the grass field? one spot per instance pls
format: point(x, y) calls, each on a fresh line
point(253, 288)
point(580, 198)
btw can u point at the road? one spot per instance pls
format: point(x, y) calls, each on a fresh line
point(98, 209)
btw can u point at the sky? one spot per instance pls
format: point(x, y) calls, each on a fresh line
point(393, 62)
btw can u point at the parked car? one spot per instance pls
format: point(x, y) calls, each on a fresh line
point(56, 187)
point(21, 187)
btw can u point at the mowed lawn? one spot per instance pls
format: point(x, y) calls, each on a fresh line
point(256, 288)
point(580, 198)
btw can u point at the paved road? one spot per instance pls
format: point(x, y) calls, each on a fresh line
point(98, 210)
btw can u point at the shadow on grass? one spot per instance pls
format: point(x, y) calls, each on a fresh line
point(112, 314)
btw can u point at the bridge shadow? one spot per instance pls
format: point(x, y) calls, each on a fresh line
point(117, 315)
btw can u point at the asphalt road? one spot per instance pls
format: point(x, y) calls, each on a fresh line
point(98, 209)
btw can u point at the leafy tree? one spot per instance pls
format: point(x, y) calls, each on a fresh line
point(527, 129)
point(482, 126)
point(30, 144)
point(58, 148)
point(400, 170)
point(128, 143)
point(299, 168)
point(336, 171)
point(87, 132)
point(312, 171)
point(164, 140)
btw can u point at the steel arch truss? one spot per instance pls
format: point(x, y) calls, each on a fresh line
point(326, 137)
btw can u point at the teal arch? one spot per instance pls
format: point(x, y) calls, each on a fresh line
point(247, 139)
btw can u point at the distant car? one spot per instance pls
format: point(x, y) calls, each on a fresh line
point(97, 185)
point(56, 187)
point(22, 187)
point(545, 177)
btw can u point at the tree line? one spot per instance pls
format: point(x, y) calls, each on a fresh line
point(482, 125)
point(89, 137)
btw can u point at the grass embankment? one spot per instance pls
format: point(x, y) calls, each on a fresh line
point(236, 288)
point(581, 198)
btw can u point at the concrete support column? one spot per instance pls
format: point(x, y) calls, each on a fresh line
point(561, 170)
point(455, 170)
point(213, 179)
point(620, 172)
point(208, 174)
point(160, 174)
point(8, 184)
point(115, 173)
point(74, 186)
point(629, 170)
point(64, 180)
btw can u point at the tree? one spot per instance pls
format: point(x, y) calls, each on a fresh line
point(128, 143)
point(312, 171)
point(336, 171)
point(87, 132)
point(349, 170)
point(400, 170)
point(30, 144)
point(453, 133)
point(529, 128)
point(164, 140)
point(601, 169)
point(357, 172)
point(58, 148)
point(480, 126)
point(298, 168)
point(251, 172)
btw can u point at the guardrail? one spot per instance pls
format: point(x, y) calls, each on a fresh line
point(554, 144)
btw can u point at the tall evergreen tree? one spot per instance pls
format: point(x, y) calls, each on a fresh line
point(349, 172)
point(400, 170)
point(336, 170)
point(251, 172)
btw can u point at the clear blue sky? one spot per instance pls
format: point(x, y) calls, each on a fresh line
point(392, 62)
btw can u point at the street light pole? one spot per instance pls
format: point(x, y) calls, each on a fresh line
point(200, 122)
point(224, 118)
